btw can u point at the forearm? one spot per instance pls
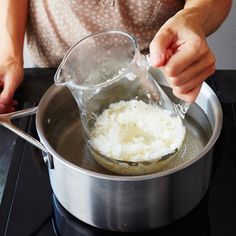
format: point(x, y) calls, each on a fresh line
point(210, 13)
point(13, 16)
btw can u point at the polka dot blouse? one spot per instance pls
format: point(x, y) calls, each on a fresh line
point(55, 25)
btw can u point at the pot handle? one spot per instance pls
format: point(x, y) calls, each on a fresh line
point(5, 120)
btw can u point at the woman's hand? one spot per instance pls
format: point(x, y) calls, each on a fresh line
point(13, 16)
point(180, 49)
point(11, 75)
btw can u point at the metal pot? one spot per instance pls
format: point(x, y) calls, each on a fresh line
point(106, 200)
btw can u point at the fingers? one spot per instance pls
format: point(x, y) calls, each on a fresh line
point(7, 92)
point(7, 104)
point(6, 108)
point(206, 64)
point(187, 90)
point(10, 78)
point(190, 96)
point(10, 82)
point(186, 82)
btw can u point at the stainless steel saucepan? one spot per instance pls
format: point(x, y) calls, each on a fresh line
point(122, 203)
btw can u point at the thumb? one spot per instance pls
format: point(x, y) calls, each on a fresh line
point(160, 47)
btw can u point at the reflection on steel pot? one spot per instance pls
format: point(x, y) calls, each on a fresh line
point(123, 203)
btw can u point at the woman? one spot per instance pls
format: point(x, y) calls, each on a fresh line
point(174, 30)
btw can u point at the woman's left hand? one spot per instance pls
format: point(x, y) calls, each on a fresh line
point(180, 49)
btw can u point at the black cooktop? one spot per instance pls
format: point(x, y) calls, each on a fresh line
point(28, 206)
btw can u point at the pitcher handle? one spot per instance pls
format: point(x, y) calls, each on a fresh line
point(182, 107)
point(5, 120)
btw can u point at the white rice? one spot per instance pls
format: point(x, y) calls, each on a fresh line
point(136, 131)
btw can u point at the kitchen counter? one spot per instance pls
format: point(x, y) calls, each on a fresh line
point(26, 207)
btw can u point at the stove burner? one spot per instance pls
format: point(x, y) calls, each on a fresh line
point(195, 223)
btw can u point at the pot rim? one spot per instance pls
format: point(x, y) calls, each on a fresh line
point(215, 134)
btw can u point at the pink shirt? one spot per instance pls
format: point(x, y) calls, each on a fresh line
point(55, 25)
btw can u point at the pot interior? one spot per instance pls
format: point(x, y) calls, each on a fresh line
point(59, 122)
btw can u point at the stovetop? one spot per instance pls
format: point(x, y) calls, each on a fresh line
point(28, 206)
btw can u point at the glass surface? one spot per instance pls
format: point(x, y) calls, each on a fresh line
point(106, 69)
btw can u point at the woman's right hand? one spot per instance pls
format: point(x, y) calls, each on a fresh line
point(13, 18)
point(11, 76)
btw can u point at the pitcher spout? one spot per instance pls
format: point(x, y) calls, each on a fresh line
point(60, 77)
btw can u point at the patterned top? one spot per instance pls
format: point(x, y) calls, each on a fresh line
point(55, 25)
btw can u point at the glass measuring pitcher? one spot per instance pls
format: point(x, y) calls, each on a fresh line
point(106, 68)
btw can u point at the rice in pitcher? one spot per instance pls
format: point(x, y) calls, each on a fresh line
point(136, 131)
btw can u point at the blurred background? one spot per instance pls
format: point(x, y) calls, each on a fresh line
point(222, 43)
